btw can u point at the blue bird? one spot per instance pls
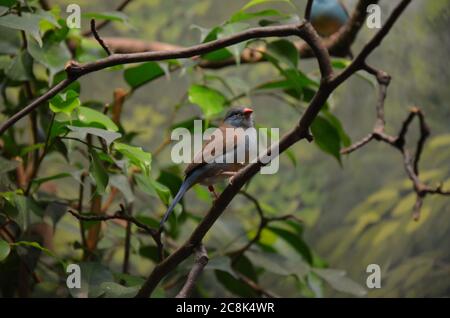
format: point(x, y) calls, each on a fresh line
point(328, 16)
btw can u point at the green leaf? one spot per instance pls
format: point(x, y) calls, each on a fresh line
point(230, 29)
point(282, 84)
point(82, 132)
point(258, 2)
point(52, 54)
point(218, 55)
point(136, 156)
point(290, 154)
point(25, 209)
point(92, 117)
point(243, 16)
point(326, 137)
point(295, 241)
point(345, 139)
point(10, 42)
point(65, 102)
point(93, 275)
point(38, 246)
point(339, 281)
point(114, 290)
point(234, 285)
point(221, 263)
point(154, 188)
point(108, 15)
point(130, 280)
point(121, 182)
point(8, 3)
point(170, 180)
point(209, 100)
point(142, 74)
point(5, 249)
point(20, 68)
point(27, 22)
point(284, 51)
point(62, 175)
point(278, 264)
point(98, 173)
point(340, 63)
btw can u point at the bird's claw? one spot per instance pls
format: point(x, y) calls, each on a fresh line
point(213, 191)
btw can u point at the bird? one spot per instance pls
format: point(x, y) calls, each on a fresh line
point(328, 16)
point(209, 168)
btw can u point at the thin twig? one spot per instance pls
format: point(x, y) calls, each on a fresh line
point(98, 38)
point(411, 164)
point(122, 215)
point(201, 259)
point(308, 9)
point(263, 223)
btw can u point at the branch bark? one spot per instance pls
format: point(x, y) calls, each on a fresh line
point(328, 84)
point(121, 7)
point(338, 44)
point(201, 259)
point(76, 70)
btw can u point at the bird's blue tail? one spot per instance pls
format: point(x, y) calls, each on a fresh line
point(187, 183)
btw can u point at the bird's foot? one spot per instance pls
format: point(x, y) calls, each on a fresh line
point(232, 176)
point(213, 191)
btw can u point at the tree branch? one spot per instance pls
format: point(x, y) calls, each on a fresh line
point(338, 44)
point(201, 259)
point(308, 9)
point(75, 70)
point(263, 223)
point(123, 215)
point(411, 164)
point(328, 84)
point(98, 38)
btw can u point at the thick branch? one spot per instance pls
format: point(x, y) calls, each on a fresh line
point(75, 70)
point(328, 84)
point(338, 44)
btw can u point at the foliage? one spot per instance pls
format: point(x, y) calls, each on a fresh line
point(77, 150)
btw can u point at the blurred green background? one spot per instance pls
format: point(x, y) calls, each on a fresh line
point(355, 215)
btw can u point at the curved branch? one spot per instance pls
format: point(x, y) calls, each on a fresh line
point(75, 70)
point(98, 38)
point(338, 44)
point(327, 86)
point(411, 164)
point(122, 214)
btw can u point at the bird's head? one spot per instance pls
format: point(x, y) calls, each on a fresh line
point(239, 117)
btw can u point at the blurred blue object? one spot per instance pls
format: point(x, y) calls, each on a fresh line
point(327, 16)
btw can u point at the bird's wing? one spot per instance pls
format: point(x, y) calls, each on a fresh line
point(208, 153)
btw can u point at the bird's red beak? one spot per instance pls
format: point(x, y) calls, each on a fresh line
point(248, 111)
